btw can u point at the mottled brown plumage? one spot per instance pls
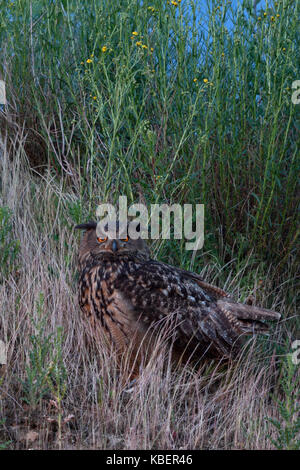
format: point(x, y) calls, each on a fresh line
point(131, 297)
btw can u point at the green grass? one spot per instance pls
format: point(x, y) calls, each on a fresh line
point(230, 143)
point(205, 117)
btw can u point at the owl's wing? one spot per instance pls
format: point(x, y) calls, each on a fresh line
point(204, 317)
point(214, 291)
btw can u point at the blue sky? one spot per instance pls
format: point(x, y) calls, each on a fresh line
point(202, 8)
point(260, 4)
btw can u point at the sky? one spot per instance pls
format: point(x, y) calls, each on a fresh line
point(261, 4)
point(202, 10)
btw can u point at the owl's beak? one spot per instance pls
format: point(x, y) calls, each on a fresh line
point(114, 246)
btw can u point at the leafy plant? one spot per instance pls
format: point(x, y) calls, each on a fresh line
point(288, 427)
point(57, 379)
point(9, 248)
point(4, 445)
point(45, 373)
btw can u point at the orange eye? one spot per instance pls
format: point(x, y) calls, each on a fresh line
point(101, 240)
point(124, 239)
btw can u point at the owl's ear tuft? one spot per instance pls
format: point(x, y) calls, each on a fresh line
point(91, 225)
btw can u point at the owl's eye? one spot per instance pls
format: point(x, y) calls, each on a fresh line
point(124, 239)
point(101, 240)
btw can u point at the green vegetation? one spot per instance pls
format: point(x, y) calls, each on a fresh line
point(45, 372)
point(162, 102)
point(289, 426)
point(9, 247)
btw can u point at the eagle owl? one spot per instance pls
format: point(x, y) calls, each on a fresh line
point(129, 297)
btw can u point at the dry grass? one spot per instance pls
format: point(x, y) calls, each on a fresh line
point(220, 406)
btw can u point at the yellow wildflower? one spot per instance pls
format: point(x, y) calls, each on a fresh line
point(174, 3)
point(195, 80)
point(259, 18)
point(151, 49)
point(135, 33)
point(272, 18)
point(92, 55)
point(139, 43)
point(284, 49)
point(205, 80)
point(265, 14)
point(94, 97)
point(89, 61)
point(278, 16)
point(144, 46)
point(104, 49)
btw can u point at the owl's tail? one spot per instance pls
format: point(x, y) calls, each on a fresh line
point(226, 325)
point(247, 319)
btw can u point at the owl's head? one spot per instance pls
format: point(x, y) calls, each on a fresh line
point(104, 243)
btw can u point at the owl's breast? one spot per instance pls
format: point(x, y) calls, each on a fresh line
point(103, 305)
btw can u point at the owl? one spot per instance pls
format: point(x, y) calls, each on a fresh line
point(128, 299)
